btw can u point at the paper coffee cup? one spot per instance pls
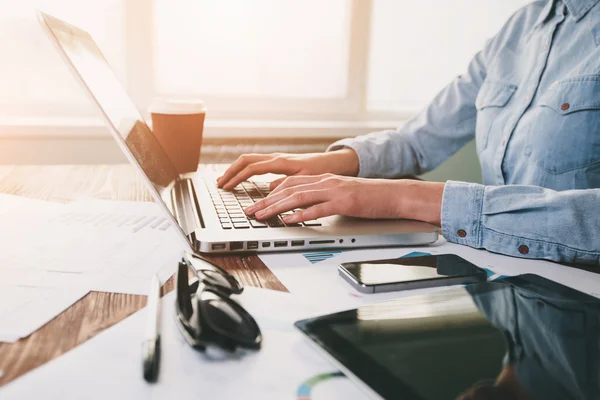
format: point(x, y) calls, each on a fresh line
point(178, 127)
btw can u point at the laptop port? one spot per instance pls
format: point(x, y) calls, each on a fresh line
point(266, 244)
point(252, 245)
point(236, 246)
point(218, 246)
point(280, 244)
point(321, 242)
point(297, 242)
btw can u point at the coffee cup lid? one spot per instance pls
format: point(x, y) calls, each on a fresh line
point(172, 106)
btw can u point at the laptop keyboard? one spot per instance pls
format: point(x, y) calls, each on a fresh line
point(230, 206)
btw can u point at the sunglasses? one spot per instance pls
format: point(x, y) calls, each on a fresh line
point(205, 312)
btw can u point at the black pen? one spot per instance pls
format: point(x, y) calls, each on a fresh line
point(151, 344)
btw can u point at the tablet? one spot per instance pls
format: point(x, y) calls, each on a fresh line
point(526, 331)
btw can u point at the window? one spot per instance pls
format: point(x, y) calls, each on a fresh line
point(348, 60)
point(34, 79)
point(417, 47)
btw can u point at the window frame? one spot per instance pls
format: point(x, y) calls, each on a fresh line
point(139, 15)
point(230, 117)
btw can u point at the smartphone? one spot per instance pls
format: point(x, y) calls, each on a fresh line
point(410, 273)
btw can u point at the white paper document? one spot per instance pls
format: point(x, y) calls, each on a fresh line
point(25, 309)
point(314, 275)
point(53, 254)
point(110, 365)
point(103, 246)
point(24, 305)
point(126, 244)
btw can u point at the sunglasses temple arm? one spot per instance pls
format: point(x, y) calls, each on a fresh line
point(184, 300)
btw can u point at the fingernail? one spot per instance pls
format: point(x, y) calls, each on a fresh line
point(260, 213)
point(288, 218)
point(249, 210)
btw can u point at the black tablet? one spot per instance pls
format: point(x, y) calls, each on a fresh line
point(498, 340)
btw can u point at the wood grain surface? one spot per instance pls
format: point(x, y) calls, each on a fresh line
point(96, 311)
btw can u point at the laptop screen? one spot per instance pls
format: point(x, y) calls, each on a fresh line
point(128, 125)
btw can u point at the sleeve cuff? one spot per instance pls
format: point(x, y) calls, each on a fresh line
point(365, 166)
point(461, 213)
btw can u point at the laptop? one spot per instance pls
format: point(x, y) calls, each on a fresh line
point(210, 219)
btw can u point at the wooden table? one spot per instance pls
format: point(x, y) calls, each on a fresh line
point(98, 310)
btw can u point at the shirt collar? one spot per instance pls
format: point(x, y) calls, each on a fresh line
point(577, 8)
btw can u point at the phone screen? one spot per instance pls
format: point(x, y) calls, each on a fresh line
point(411, 269)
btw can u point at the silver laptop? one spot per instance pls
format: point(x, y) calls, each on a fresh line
point(210, 219)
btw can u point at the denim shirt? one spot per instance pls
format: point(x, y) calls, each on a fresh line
point(531, 99)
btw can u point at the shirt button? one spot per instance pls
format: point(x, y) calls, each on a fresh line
point(565, 106)
point(461, 233)
point(523, 249)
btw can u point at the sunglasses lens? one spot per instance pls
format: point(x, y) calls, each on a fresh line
point(228, 319)
point(217, 279)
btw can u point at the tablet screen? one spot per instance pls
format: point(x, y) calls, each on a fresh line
point(491, 340)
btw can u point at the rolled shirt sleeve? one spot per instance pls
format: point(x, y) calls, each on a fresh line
point(524, 221)
point(425, 141)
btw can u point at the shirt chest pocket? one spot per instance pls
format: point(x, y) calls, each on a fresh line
point(566, 136)
point(491, 99)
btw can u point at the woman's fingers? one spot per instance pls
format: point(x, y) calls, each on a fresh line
point(320, 210)
point(274, 165)
point(277, 196)
point(294, 181)
point(296, 200)
point(273, 185)
point(239, 164)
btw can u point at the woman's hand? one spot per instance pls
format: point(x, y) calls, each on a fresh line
point(340, 162)
point(328, 194)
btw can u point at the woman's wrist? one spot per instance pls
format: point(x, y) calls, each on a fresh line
point(421, 201)
point(346, 162)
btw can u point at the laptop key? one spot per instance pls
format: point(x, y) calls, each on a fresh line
point(312, 223)
point(291, 224)
point(258, 224)
point(239, 225)
point(226, 226)
point(274, 222)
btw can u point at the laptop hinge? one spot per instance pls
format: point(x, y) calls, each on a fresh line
point(186, 208)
